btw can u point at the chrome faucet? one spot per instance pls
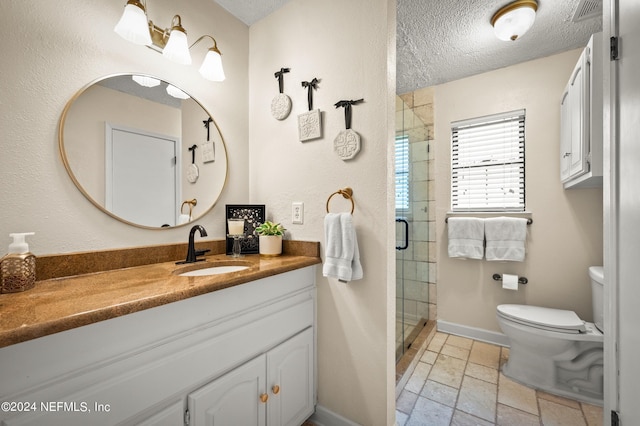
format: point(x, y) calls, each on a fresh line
point(192, 253)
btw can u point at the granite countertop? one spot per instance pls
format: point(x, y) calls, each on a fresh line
point(63, 303)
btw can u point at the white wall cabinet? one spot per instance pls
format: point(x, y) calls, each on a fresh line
point(206, 358)
point(581, 120)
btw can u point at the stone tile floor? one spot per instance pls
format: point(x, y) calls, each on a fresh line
point(458, 383)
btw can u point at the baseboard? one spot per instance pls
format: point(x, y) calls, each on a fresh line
point(326, 417)
point(473, 333)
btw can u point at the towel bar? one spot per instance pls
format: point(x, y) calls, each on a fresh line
point(529, 220)
point(346, 193)
point(521, 280)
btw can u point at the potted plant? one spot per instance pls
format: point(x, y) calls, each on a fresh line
point(270, 238)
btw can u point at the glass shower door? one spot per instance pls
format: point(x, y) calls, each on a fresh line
point(412, 228)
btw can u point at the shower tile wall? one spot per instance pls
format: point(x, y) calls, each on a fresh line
point(414, 114)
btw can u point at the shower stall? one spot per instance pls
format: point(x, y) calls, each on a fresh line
point(415, 264)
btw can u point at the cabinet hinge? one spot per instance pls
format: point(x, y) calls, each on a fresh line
point(187, 417)
point(615, 418)
point(613, 42)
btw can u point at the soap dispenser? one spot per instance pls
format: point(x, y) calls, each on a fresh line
point(18, 268)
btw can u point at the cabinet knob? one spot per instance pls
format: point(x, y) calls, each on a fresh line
point(275, 389)
point(566, 154)
point(264, 397)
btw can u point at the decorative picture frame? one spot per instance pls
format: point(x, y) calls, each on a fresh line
point(253, 215)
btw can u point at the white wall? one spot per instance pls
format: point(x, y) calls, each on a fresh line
point(566, 235)
point(52, 50)
point(350, 47)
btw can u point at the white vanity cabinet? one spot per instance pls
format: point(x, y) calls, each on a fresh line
point(206, 360)
point(273, 389)
point(581, 120)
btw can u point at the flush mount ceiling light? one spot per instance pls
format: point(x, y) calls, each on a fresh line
point(514, 19)
point(135, 27)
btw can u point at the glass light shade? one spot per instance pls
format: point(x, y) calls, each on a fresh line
point(211, 67)
point(514, 23)
point(176, 93)
point(177, 48)
point(146, 81)
point(133, 25)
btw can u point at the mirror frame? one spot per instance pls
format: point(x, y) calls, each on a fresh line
point(78, 185)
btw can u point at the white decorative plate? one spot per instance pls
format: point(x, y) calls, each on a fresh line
point(347, 144)
point(309, 125)
point(280, 106)
point(192, 173)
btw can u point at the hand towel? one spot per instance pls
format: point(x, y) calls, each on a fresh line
point(466, 237)
point(506, 237)
point(342, 257)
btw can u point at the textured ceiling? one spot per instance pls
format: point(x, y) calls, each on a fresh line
point(445, 40)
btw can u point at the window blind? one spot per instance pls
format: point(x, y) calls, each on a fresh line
point(402, 173)
point(488, 163)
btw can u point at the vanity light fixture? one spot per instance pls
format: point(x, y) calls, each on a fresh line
point(176, 93)
point(514, 19)
point(145, 81)
point(135, 27)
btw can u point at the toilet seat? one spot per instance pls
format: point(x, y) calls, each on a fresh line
point(557, 320)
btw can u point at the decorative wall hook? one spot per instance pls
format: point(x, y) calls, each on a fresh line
point(310, 123)
point(311, 86)
point(206, 123)
point(281, 104)
point(347, 143)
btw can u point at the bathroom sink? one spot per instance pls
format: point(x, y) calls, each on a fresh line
point(212, 268)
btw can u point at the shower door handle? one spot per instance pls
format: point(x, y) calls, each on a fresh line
point(406, 234)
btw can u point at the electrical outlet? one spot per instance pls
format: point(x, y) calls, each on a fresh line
point(297, 212)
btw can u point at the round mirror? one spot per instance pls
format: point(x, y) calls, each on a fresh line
point(143, 151)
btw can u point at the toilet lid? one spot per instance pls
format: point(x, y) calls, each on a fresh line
point(548, 318)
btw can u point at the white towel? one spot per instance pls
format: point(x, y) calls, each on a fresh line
point(466, 237)
point(342, 257)
point(506, 237)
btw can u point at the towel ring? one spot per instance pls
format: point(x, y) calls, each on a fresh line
point(191, 204)
point(346, 193)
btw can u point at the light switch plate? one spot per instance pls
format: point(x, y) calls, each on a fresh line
point(297, 213)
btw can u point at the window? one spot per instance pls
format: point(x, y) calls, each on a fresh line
point(487, 163)
point(402, 173)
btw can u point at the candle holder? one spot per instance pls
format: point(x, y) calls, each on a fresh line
point(236, 231)
point(237, 249)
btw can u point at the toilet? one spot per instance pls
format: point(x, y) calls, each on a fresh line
point(554, 350)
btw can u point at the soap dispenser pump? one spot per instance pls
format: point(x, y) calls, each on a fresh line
point(18, 268)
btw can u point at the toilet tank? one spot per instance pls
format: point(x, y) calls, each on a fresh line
point(596, 274)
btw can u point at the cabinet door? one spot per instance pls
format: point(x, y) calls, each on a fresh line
point(290, 371)
point(170, 416)
point(579, 106)
point(565, 136)
point(233, 399)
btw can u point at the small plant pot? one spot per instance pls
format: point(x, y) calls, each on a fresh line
point(270, 245)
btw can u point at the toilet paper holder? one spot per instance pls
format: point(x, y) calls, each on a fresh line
point(521, 280)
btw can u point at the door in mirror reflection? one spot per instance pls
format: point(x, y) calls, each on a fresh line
point(142, 174)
